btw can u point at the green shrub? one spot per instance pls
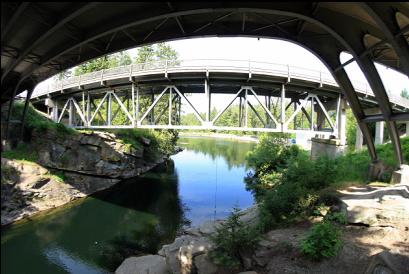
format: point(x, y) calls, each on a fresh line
point(272, 153)
point(35, 120)
point(336, 217)
point(232, 239)
point(323, 241)
point(283, 203)
point(162, 141)
point(314, 175)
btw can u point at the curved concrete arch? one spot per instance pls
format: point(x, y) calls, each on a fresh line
point(386, 20)
point(330, 20)
point(125, 25)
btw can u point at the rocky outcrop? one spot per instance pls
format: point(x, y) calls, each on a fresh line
point(150, 264)
point(377, 206)
point(88, 162)
point(94, 153)
point(28, 188)
point(188, 254)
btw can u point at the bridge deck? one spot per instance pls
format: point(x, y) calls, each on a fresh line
point(164, 72)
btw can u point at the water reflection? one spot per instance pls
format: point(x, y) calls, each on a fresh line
point(136, 216)
point(233, 152)
point(95, 234)
point(211, 173)
point(70, 263)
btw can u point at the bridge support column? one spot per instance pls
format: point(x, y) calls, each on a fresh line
point(379, 133)
point(71, 115)
point(282, 119)
point(53, 104)
point(133, 104)
point(208, 100)
point(88, 115)
point(407, 129)
point(359, 139)
point(246, 110)
point(153, 109)
point(320, 118)
point(342, 122)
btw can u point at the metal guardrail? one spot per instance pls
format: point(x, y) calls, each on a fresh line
point(208, 65)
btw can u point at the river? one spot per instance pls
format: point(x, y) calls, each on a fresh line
point(94, 234)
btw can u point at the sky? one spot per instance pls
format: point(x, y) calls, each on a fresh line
point(275, 51)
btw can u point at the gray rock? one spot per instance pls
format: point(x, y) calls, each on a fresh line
point(150, 264)
point(171, 252)
point(387, 206)
point(204, 265)
point(40, 183)
point(93, 140)
point(181, 253)
point(248, 272)
point(401, 176)
point(209, 227)
point(250, 215)
point(187, 253)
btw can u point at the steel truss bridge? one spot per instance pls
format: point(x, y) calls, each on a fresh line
point(78, 101)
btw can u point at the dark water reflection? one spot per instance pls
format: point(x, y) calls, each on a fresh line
point(94, 234)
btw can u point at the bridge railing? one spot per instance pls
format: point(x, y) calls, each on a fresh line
point(211, 65)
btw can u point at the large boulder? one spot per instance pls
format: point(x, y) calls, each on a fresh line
point(181, 253)
point(149, 264)
point(377, 206)
point(91, 153)
point(204, 265)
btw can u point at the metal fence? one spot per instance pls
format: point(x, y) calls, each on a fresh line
point(208, 65)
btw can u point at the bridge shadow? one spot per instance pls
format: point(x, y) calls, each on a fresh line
point(14, 201)
point(151, 214)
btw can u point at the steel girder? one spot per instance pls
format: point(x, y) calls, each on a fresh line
point(344, 23)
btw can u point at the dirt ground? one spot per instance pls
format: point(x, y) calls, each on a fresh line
point(378, 221)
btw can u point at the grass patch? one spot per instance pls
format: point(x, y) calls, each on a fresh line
point(161, 141)
point(57, 175)
point(36, 120)
point(23, 152)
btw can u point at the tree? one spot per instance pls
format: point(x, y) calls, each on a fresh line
point(63, 75)
point(405, 93)
point(108, 61)
point(105, 62)
point(165, 52)
point(145, 54)
point(124, 58)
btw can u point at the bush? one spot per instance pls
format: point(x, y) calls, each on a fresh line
point(232, 239)
point(38, 121)
point(272, 153)
point(323, 241)
point(162, 141)
point(314, 175)
point(336, 217)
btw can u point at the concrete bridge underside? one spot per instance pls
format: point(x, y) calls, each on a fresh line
point(41, 39)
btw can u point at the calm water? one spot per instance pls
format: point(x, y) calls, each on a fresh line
point(94, 234)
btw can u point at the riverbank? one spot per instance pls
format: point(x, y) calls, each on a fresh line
point(28, 188)
point(374, 236)
point(56, 164)
point(135, 216)
point(244, 138)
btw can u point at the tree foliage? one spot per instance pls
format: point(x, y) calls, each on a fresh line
point(405, 93)
point(232, 239)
